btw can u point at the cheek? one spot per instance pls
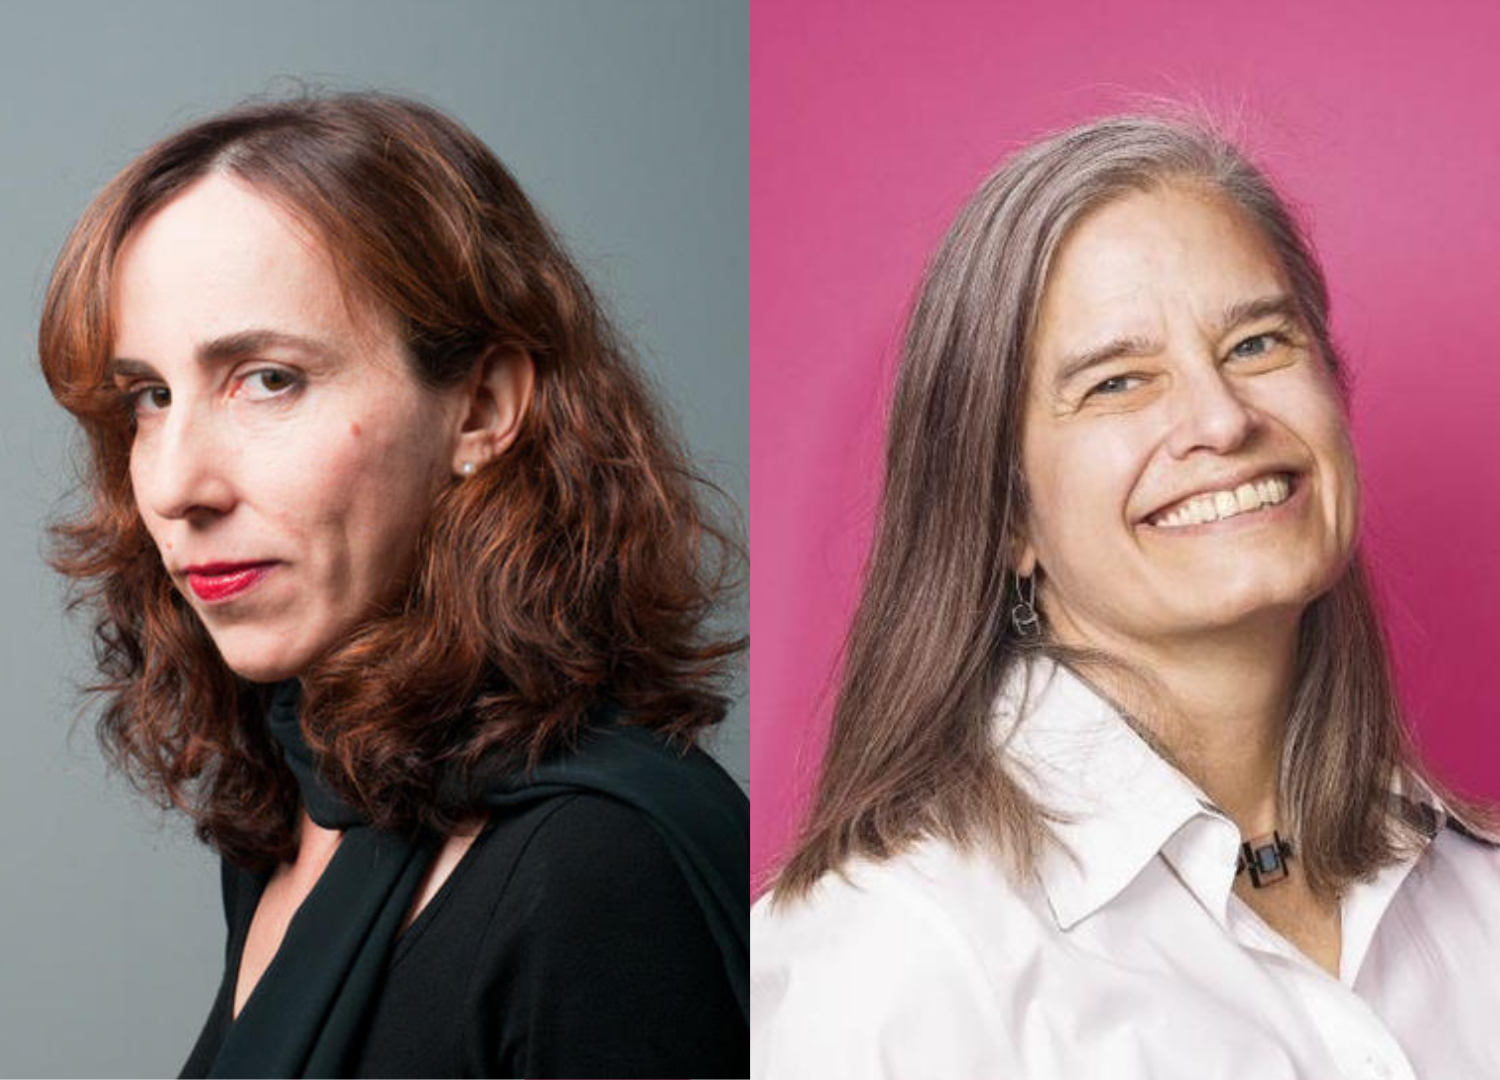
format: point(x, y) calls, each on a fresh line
point(1343, 468)
point(156, 528)
point(1317, 418)
point(377, 487)
point(317, 476)
point(319, 489)
point(361, 479)
point(350, 486)
point(1080, 487)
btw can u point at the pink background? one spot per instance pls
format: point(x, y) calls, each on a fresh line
point(872, 120)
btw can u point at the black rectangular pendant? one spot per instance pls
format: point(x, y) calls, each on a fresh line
point(1265, 858)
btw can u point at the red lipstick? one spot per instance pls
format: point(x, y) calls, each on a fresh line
point(220, 581)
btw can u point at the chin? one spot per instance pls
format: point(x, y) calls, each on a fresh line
point(1232, 608)
point(262, 671)
point(1264, 587)
point(260, 657)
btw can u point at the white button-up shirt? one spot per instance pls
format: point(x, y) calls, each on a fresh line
point(1134, 960)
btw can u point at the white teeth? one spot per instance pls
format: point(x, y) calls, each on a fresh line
point(1215, 506)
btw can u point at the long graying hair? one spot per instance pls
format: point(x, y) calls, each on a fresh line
point(911, 753)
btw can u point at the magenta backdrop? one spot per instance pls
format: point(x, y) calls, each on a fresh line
point(870, 123)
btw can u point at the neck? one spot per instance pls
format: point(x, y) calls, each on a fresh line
point(1217, 702)
point(315, 846)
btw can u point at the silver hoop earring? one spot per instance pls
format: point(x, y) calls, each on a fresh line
point(1023, 616)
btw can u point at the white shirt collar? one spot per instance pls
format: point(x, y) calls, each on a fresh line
point(1121, 804)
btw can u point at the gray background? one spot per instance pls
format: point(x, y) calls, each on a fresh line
point(628, 125)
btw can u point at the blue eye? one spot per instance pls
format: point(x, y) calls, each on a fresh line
point(1266, 339)
point(1115, 384)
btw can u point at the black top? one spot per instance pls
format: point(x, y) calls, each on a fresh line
point(566, 943)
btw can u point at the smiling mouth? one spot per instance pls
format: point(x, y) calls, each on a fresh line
point(1248, 498)
point(220, 582)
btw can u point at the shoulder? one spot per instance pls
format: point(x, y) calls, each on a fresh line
point(1460, 866)
point(596, 959)
point(891, 968)
point(577, 849)
point(958, 899)
point(582, 888)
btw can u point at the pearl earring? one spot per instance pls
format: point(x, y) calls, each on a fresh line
point(467, 468)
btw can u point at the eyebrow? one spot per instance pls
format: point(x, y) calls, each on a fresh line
point(1235, 314)
point(230, 347)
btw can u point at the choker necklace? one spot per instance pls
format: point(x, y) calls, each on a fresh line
point(1265, 857)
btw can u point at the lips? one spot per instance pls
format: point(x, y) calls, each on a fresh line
point(220, 581)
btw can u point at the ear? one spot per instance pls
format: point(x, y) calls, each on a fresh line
point(497, 395)
point(1022, 557)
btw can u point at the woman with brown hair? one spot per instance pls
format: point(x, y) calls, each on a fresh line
point(1118, 783)
point(403, 592)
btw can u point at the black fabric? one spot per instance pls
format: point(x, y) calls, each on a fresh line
point(565, 944)
point(307, 1014)
point(321, 804)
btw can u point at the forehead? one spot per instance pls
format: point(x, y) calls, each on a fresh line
point(1138, 264)
point(219, 259)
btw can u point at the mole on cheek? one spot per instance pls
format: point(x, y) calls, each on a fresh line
point(354, 428)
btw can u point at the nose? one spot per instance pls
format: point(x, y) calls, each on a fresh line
point(1208, 413)
point(181, 470)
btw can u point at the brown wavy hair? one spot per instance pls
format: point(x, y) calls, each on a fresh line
point(580, 569)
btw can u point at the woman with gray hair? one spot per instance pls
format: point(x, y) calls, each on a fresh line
point(1118, 782)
